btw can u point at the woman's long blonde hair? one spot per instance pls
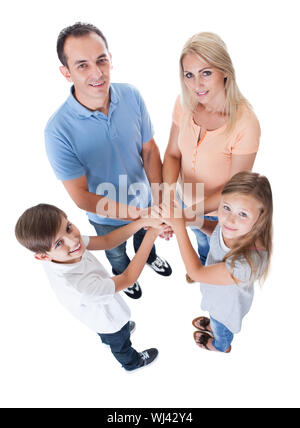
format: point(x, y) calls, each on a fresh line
point(211, 48)
point(257, 186)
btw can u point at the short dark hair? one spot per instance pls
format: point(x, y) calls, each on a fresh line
point(38, 226)
point(79, 29)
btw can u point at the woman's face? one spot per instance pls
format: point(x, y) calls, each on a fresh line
point(205, 83)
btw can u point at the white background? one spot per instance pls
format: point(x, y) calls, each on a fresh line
point(48, 359)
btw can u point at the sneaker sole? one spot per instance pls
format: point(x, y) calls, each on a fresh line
point(143, 367)
point(133, 329)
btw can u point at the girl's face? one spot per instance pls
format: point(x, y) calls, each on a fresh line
point(237, 215)
point(205, 83)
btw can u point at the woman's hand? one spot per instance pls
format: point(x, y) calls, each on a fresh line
point(172, 214)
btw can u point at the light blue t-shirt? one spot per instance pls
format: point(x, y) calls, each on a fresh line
point(107, 149)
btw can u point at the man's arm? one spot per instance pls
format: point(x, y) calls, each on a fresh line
point(79, 191)
point(153, 166)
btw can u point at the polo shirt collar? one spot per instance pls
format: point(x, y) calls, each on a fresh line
point(83, 112)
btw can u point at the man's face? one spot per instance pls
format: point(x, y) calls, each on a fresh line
point(88, 67)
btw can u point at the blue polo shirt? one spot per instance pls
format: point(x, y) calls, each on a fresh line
point(107, 149)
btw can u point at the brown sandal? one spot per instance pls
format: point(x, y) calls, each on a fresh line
point(203, 340)
point(203, 323)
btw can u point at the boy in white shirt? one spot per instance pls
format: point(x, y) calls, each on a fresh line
point(80, 281)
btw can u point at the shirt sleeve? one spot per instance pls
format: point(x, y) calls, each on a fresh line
point(62, 157)
point(248, 135)
point(86, 240)
point(177, 111)
point(242, 270)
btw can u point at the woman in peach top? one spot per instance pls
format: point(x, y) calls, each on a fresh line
point(214, 133)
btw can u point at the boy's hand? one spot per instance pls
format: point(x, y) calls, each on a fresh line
point(152, 222)
point(158, 231)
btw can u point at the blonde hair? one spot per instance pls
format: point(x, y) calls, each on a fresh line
point(211, 48)
point(257, 186)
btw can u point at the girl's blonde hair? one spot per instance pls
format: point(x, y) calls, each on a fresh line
point(257, 186)
point(211, 48)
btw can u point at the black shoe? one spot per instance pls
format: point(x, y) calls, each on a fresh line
point(161, 266)
point(148, 356)
point(134, 291)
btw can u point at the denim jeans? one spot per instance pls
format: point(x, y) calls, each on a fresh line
point(203, 240)
point(121, 348)
point(222, 336)
point(117, 256)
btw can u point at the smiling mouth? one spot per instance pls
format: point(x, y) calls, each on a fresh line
point(200, 94)
point(75, 249)
point(97, 84)
point(229, 228)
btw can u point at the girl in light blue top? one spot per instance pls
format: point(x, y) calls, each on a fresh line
point(240, 250)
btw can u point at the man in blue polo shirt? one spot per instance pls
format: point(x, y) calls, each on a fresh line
point(100, 144)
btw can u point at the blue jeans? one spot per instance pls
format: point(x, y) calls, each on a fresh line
point(203, 240)
point(121, 348)
point(117, 256)
point(222, 336)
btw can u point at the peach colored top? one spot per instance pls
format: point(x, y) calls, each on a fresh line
point(209, 160)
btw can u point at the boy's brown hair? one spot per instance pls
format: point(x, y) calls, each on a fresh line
point(38, 226)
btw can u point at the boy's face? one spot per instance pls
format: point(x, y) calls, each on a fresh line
point(67, 246)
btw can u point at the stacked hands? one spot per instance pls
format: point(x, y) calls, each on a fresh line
point(166, 216)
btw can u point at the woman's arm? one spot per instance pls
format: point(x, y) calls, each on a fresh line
point(135, 267)
point(208, 226)
point(172, 160)
point(239, 163)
